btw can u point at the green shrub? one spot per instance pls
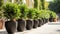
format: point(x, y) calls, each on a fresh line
point(1, 3)
point(53, 15)
point(44, 14)
point(11, 11)
point(31, 13)
point(55, 6)
point(35, 3)
point(37, 14)
point(1, 14)
point(1, 10)
point(23, 10)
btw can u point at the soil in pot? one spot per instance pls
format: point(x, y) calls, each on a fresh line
point(40, 22)
point(10, 26)
point(21, 25)
point(29, 24)
point(36, 22)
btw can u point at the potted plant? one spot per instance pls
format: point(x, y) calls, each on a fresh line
point(22, 20)
point(12, 13)
point(36, 22)
point(40, 22)
point(40, 18)
point(45, 16)
point(30, 16)
point(53, 17)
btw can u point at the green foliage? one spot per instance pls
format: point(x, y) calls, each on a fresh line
point(44, 14)
point(42, 4)
point(55, 6)
point(37, 14)
point(1, 3)
point(35, 3)
point(53, 14)
point(11, 11)
point(31, 13)
point(1, 12)
point(24, 11)
point(21, 2)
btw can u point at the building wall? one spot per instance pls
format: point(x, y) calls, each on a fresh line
point(29, 3)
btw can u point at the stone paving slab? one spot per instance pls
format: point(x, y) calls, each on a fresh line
point(45, 29)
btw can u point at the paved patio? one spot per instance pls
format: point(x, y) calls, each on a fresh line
point(48, 28)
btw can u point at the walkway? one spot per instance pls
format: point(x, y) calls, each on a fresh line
point(48, 28)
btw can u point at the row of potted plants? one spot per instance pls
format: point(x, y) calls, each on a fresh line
point(21, 17)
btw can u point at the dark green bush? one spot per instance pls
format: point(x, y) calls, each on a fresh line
point(1, 10)
point(23, 9)
point(44, 14)
point(1, 3)
point(31, 13)
point(55, 6)
point(37, 14)
point(11, 11)
point(35, 3)
point(53, 14)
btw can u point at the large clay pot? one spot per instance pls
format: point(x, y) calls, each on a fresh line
point(40, 22)
point(43, 19)
point(1, 23)
point(21, 25)
point(10, 26)
point(36, 22)
point(29, 24)
point(46, 20)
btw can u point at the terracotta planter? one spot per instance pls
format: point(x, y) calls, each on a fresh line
point(55, 20)
point(21, 25)
point(10, 27)
point(29, 24)
point(1, 23)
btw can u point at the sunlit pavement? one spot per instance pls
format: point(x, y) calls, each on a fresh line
point(48, 28)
